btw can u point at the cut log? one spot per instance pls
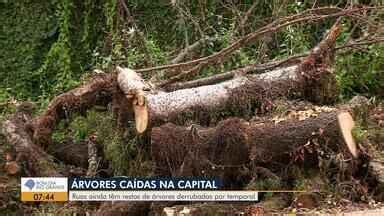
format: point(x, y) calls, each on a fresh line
point(233, 143)
point(312, 79)
point(133, 87)
point(38, 163)
point(346, 125)
point(242, 92)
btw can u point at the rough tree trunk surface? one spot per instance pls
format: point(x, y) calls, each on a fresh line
point(37, 162)
point(229, 95)
point(234, 143)
point(272, 141)
point(221, 77)
point(312, 80)
point(70, 153)
point(98, 91)
point(315, 84)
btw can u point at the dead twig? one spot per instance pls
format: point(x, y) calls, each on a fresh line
point(244, 20)
point(360, 43)
point(273, 27)
point(180, 57)
point(254, 68)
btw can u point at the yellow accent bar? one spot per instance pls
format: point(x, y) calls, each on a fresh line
point(44, 196)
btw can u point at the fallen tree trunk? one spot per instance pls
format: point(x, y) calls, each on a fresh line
point(252, 68)
point(271, 141)
point(37, 162)
point(236, 93)
point(234, 143)
point(312, 80)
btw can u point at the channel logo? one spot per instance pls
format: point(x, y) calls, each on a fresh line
point(30, 184)
point(44, 189)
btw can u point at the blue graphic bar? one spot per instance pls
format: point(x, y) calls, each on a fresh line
point(140, 183)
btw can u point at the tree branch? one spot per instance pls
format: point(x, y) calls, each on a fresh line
point(309, 15)
point(180, 57)
point(259, 68)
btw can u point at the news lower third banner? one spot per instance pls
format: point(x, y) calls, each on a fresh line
point(129, 189)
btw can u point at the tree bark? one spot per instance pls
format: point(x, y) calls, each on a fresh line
point(97, 91)
point(241, 93)
point(234, 143)
point(252, 68)
point(70, 153)
point(312, 80)
point(376, 168)
point(166, 106)
point(37, 162)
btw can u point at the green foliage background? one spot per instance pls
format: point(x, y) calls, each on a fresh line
point(48, 46)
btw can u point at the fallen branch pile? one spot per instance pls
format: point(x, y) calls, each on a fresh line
point(207, 148)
